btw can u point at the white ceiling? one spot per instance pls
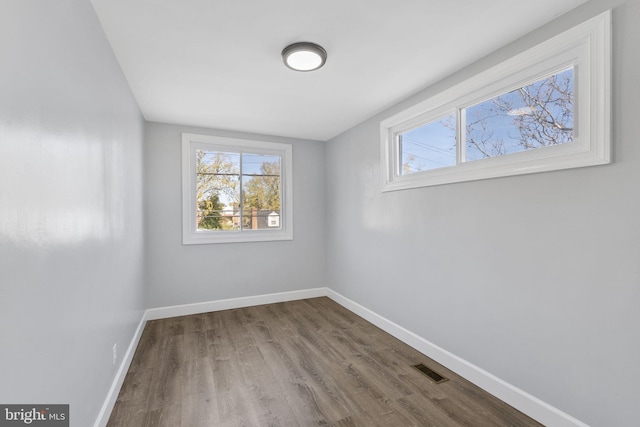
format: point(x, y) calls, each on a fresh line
point(217, 64)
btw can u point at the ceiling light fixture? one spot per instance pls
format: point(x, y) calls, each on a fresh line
point(304, 56)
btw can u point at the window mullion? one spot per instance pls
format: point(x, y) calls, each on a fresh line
point(241, 201)
point(461, 143)
point(396, 154)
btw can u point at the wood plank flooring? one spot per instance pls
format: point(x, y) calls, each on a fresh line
point(299, 363)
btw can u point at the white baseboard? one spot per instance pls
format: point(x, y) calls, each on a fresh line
point(183, 310)
point(227, 304)
point(519, 399)
point(112, 396)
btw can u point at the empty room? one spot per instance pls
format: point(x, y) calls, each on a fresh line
point(339, 213)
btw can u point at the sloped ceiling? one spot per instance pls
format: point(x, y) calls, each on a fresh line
point(217, 64)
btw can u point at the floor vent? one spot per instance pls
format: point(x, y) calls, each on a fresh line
point(434, 376)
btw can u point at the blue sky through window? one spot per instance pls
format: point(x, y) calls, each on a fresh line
point(227, 164)
point(429, 146)
point(536, 115)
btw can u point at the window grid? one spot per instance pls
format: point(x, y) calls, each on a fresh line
point(247, 203)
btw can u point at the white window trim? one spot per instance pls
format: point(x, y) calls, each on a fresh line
point(586, 46)
point(190, 234)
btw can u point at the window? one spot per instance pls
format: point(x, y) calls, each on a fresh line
point(429, 146)
point(545, 109)
point(235, 190)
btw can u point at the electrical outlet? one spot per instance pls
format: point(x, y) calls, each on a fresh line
point(115, 354)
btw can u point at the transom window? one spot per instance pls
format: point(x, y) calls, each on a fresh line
point(235, 190)
point(537, 115)
point(545, 109)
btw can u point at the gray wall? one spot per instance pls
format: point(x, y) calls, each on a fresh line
point(534, 278)
point(70, 207)
point(178, 274)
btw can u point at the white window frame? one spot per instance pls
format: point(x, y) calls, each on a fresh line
point(586, 47)
point(190, 233)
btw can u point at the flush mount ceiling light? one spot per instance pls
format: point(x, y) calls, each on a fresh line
point(304, 56)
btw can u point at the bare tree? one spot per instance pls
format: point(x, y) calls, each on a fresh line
point(541, 115)
point(549, 118)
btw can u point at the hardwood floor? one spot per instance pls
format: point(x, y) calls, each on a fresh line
point(299, 363)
